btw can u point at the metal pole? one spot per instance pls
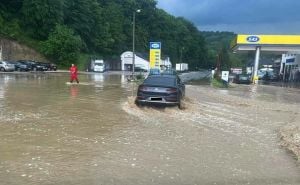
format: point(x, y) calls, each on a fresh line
point(0, 52)
point(257, 56)
point(133, 43)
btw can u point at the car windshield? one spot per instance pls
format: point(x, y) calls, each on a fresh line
point(169, 72)
point(154, 72)
point(163, 81)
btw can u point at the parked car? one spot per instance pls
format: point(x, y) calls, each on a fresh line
point(21, 66)
point(44, 66)
point(52, 67)
point(6, 66)
point(29, 64)
point(39, 66)
point(270, 76)
point(260, 74)
point(242, 79)
point(161, 89)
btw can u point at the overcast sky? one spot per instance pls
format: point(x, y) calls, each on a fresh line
point(239, 16)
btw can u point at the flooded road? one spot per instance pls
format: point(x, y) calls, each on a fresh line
point(53, 133)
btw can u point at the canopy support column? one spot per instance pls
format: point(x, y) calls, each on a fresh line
point(256, 63)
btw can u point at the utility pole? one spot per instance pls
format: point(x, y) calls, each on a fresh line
point(0, 52)
point(133, 39)
point(181, 50)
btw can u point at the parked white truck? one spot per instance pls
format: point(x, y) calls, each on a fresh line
point(99, 66)
point(182, 67)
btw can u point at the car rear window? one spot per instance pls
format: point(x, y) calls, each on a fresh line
point(160, 81)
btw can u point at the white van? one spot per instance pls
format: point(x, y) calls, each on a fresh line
point(99, 66)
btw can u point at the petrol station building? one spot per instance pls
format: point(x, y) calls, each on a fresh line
point(289, 45)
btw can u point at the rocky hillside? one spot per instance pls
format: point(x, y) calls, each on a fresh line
point(12, 50)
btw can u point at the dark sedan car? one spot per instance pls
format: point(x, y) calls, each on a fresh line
point(28, 63)
point(39, 66)
point(161, 89)
point(21, 67)
point(242, 79)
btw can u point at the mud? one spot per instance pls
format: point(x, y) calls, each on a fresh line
point(53, 133)
point(290, 137)
point(238, 121)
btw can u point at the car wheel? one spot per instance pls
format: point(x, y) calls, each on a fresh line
point(180, 103)
point(2, 69)
point(139, 104)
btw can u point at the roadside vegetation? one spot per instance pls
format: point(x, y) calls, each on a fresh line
point(218, 50)
point(217, 82)
point(71, 31)
point(66, 30)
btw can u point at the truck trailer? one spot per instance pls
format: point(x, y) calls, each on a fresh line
point(182, 67)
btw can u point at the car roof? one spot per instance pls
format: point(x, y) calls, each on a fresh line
point(161, 80)
point(156, 71)
point(162, 76)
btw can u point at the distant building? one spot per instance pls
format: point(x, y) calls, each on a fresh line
point(140, 61)
point(165, 63)
point(113, 64)
point(289, 68)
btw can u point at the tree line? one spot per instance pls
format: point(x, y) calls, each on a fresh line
point(219, 51)
point(62, 29)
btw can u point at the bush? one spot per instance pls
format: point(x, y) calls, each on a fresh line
point(219, 83)
point(62, 46)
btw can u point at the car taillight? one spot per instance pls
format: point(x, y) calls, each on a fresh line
point(172, 90)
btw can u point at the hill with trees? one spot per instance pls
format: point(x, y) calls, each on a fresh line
point(66, 30)
point(218, 45)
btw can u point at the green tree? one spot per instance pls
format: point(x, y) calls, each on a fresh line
point(11, 6)
point(62, 46)
point(85, 17)
point(105, 27)
point(41, 16)
point(116, 39)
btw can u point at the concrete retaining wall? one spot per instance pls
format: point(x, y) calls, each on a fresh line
point(195, 75)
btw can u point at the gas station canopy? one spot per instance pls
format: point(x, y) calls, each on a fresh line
point(272, 43)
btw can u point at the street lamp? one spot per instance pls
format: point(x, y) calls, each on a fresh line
point(181, 50)
point(133, 39)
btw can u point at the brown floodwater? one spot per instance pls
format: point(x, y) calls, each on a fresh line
point(93, 134)
point(54, 133)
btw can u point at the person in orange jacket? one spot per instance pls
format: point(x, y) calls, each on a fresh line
point(73, 74)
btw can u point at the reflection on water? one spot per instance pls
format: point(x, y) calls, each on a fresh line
point(54, 133)
point(267, 93)
point(74, 91)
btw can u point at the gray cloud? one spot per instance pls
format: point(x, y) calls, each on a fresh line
point(270, 16)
